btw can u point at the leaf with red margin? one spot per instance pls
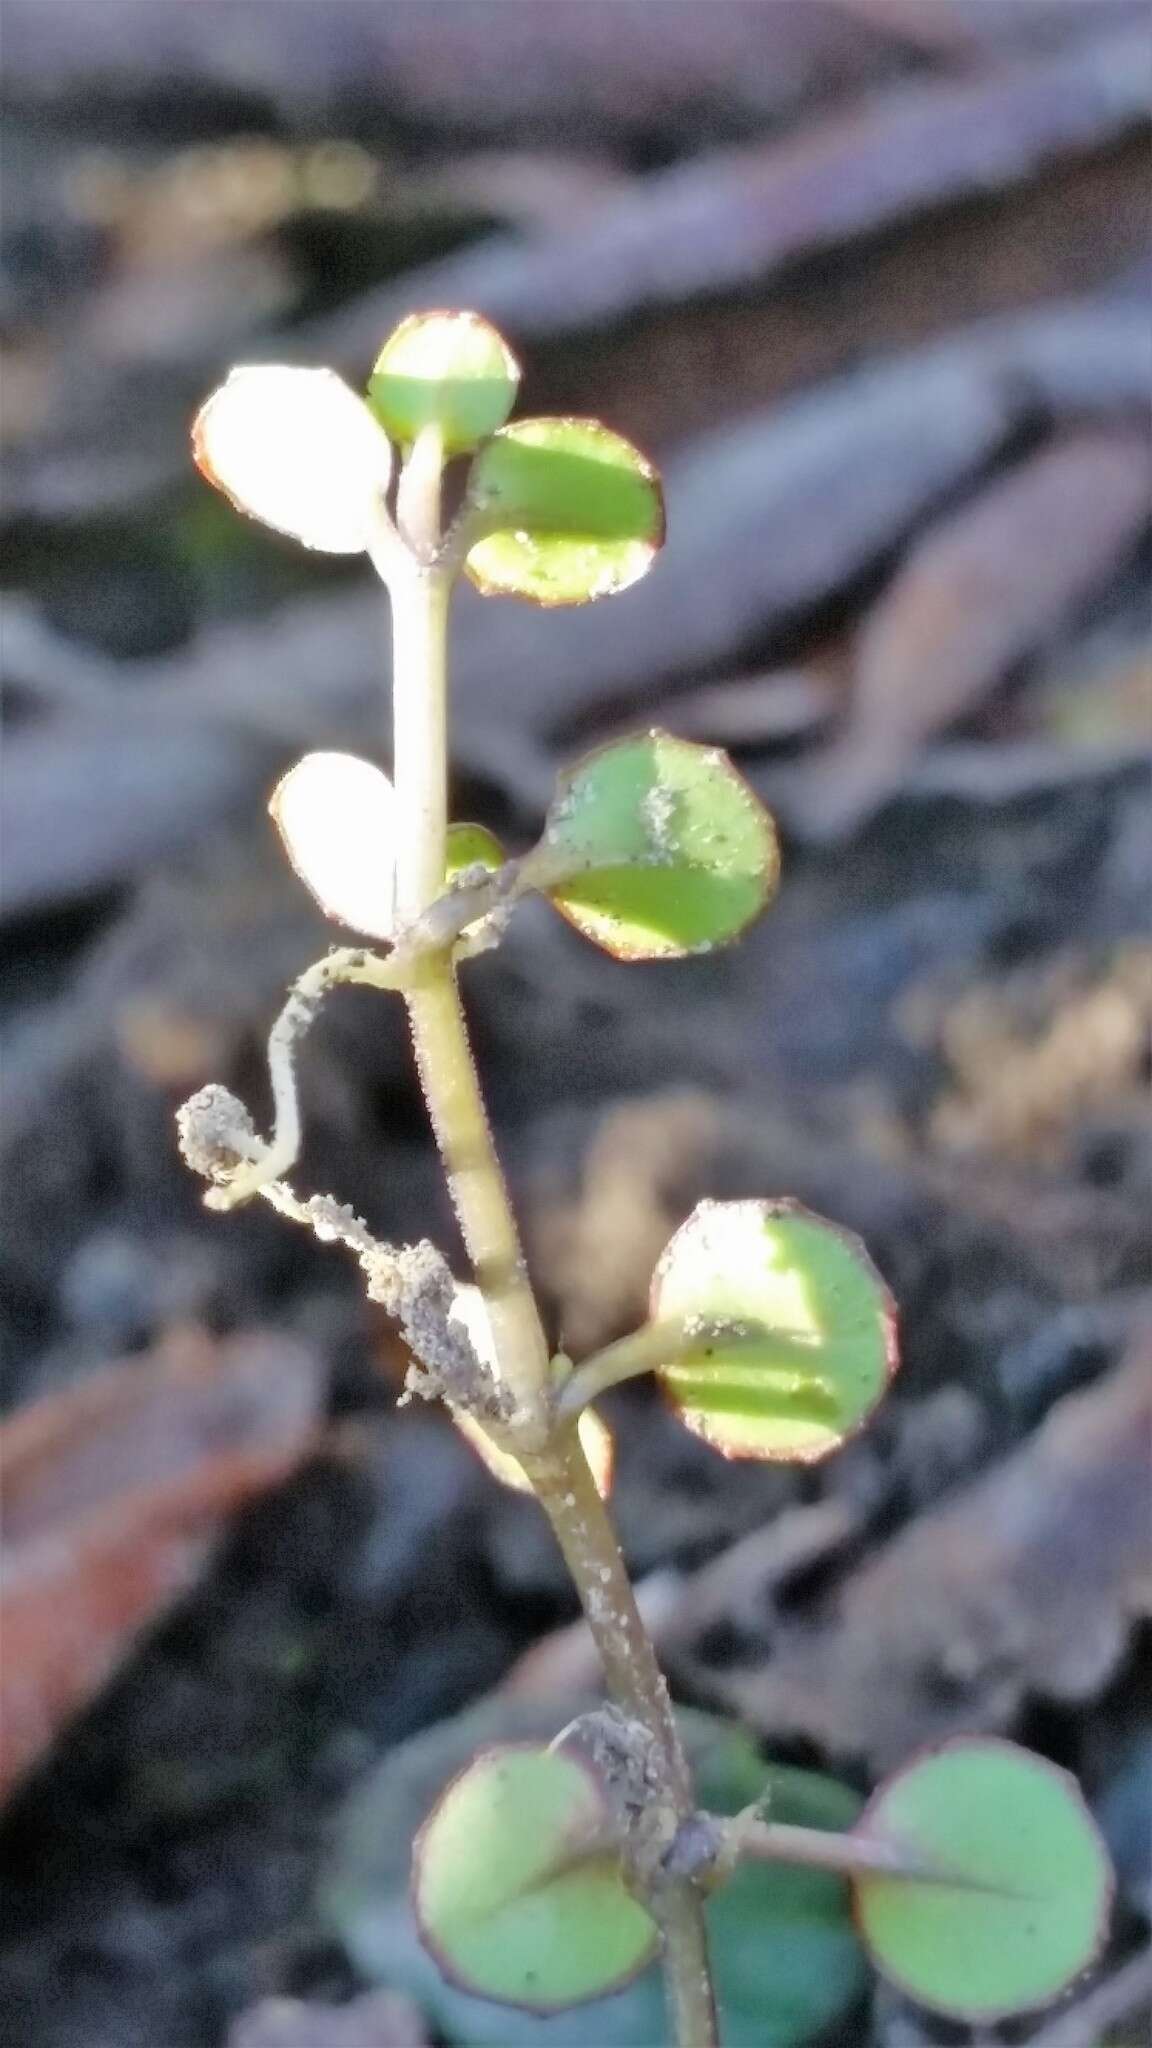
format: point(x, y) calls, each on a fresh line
point(1030, 1906)
point(796, 1331)
point(517, 1886)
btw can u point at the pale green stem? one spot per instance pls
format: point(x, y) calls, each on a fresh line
point(821, 1849)
point(563, 1484)
point(552, 1459)
point(452, 1093)
point(420, 597)
point(418, 493)
point(563, 1480)
point(653, 1345)
point(688, 1991)
point(849, 1855)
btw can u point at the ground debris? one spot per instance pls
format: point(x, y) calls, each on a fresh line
point(115, 1492)
point(983, 588)
point(1035, 1060)
point(723, 222)
point(1023, 1584)
point(379, 2019)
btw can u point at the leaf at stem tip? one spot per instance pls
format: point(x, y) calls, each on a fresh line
point(812, 1326)
point(514, 1889)
point(671, 852)
point(1034, 1888)
point(451, 370)
point(297, 449)
point(336, 817)
point(471, 846)
point(571, 512)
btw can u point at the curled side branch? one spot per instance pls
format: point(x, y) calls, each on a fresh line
point(245, 1165)
point(412, 1282)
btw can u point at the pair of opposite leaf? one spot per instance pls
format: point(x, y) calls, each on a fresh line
point(653, 847)
point(559, 511)
point(1002, 1900)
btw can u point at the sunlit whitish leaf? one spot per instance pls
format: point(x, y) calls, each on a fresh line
point(336, 817)
point(468, 1307)
point(299, 450)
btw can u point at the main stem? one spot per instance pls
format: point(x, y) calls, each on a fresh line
point(551, 1456)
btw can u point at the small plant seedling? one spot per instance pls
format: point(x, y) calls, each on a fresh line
point(547, 1876)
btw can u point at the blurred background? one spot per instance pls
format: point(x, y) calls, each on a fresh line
point(870, 280)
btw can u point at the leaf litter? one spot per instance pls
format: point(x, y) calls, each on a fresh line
point(891, 375)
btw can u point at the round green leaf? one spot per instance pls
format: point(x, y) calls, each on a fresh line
point(572, 512)
point(1031, 1907)
point(447, 369)
point(785, 1952)
point(668, 850)
point(471, 846)
point(797, 1331)
point(512, 1888)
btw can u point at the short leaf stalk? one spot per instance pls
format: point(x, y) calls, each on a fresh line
point(548, 1447)
point(769, 1329)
